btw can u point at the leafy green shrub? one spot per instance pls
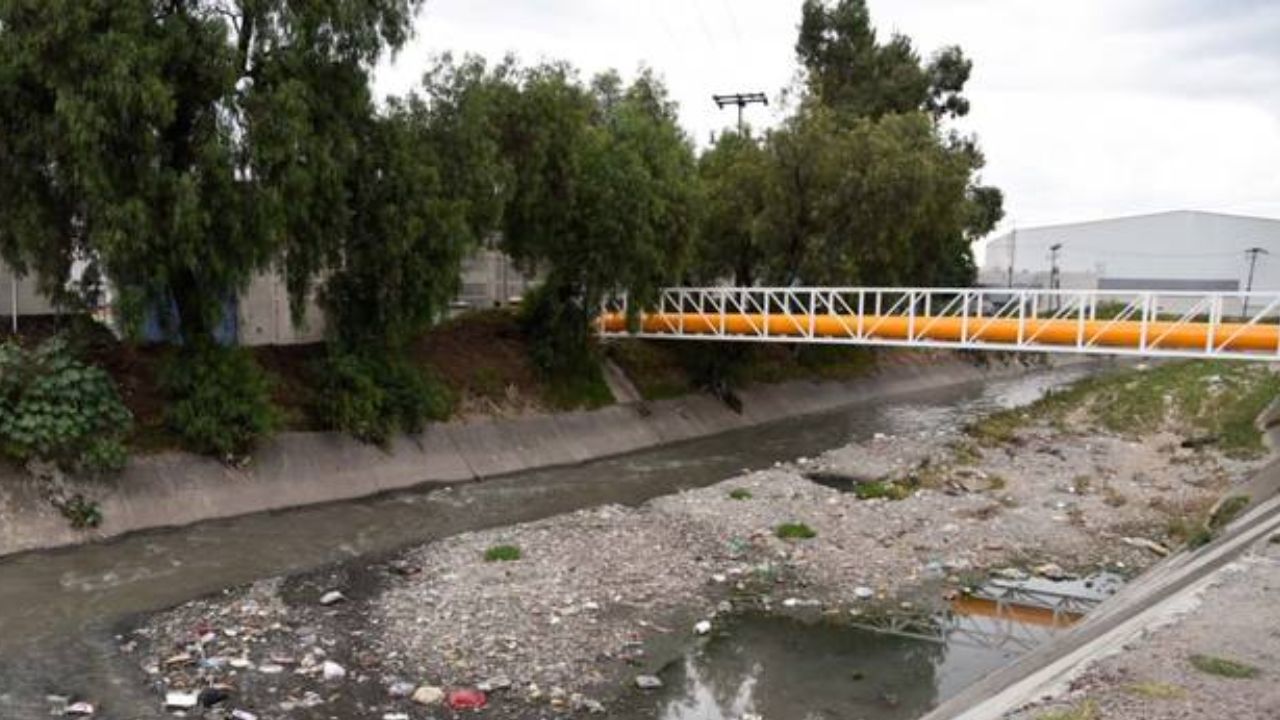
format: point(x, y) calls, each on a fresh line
point(795, 531)
point(372, 398)
point(219, 400)
point(740, 494)
point(56, 408)
point(502, 553)
point(81, 512)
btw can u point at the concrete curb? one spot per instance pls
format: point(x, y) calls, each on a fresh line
point(297, 469)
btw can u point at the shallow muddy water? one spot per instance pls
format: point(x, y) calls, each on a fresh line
point(891, 668)
point(58, 609)
point(783, 668)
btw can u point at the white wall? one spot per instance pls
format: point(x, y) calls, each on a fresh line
point(265, 318)
point(1180, 245)
point(30, 301)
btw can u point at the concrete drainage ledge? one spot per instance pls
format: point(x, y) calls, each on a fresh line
point(297, 469)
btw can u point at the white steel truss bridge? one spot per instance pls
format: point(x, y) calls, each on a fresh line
point(1234, 325)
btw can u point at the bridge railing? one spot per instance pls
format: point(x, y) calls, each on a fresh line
point(1115, 322)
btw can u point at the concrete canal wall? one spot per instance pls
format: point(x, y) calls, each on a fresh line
point(297, 469)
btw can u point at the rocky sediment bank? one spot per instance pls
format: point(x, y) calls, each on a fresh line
point(575, 613)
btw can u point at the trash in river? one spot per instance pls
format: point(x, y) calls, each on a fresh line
point(467, 699)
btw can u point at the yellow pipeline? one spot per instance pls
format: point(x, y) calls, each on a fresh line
point(1128, 333)
point(1026, 614)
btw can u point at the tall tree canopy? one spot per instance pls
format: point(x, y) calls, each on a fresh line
point(428, 183)
point(862, 183)
point(180, 145)
point(849, 70)
point(734, 174)
point(602, 197)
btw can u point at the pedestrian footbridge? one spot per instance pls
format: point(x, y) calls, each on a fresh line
point(1237, 326)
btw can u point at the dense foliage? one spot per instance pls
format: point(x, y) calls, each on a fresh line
point(55, 408)
point(178, 146)
point(862, 183)
point(428, 185)
point(375, 398)
point(219, 400)
point(849, 70)
point(175, 148)
point(602, 199)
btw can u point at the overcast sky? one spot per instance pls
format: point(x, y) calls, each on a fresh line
point(1085, 109)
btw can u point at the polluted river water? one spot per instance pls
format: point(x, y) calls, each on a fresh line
point(60, 610)
point(888, 668)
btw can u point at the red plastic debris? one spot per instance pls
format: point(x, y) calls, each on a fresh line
point(466, 699)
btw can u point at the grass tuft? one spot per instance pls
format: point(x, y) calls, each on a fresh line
point(795, 531)
point(885, 489)
point(1227, 511)
point(1113, 497)
point(1157, 690)
point(1222, 667)
point(502, 553)
point(740, 494)
point(1088, 710)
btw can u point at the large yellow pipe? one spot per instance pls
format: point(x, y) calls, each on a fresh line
point(1127, 333)
point(1026, 614)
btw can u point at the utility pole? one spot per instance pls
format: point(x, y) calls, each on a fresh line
point(742, 100)
point(1253, 254)
point(1055, 277)
point(1013, 249)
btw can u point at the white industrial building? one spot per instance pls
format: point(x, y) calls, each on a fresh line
point(261, 315)
point(1178, 250)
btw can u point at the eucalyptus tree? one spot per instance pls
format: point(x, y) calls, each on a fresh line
point(849, 69)
point(603, 199)
point(178, 146)
point(734, 178)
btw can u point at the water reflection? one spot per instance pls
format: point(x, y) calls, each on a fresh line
point(783, 668)
point(891, 667)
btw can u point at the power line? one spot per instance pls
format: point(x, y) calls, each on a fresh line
point(706, 29)
point(733, 23)
point(666, 28)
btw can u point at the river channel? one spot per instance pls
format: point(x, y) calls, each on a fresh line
point(59, 610)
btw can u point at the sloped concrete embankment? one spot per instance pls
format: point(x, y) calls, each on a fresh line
point(1153, 599)
point(297, 469)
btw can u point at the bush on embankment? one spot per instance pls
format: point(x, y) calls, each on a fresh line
point(374, 397)
point(56, 408)
point(226, 401)
point(219, 400)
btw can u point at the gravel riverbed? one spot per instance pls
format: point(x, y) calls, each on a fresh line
point(601, 598)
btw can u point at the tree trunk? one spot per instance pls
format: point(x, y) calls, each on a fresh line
point(192, 328)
